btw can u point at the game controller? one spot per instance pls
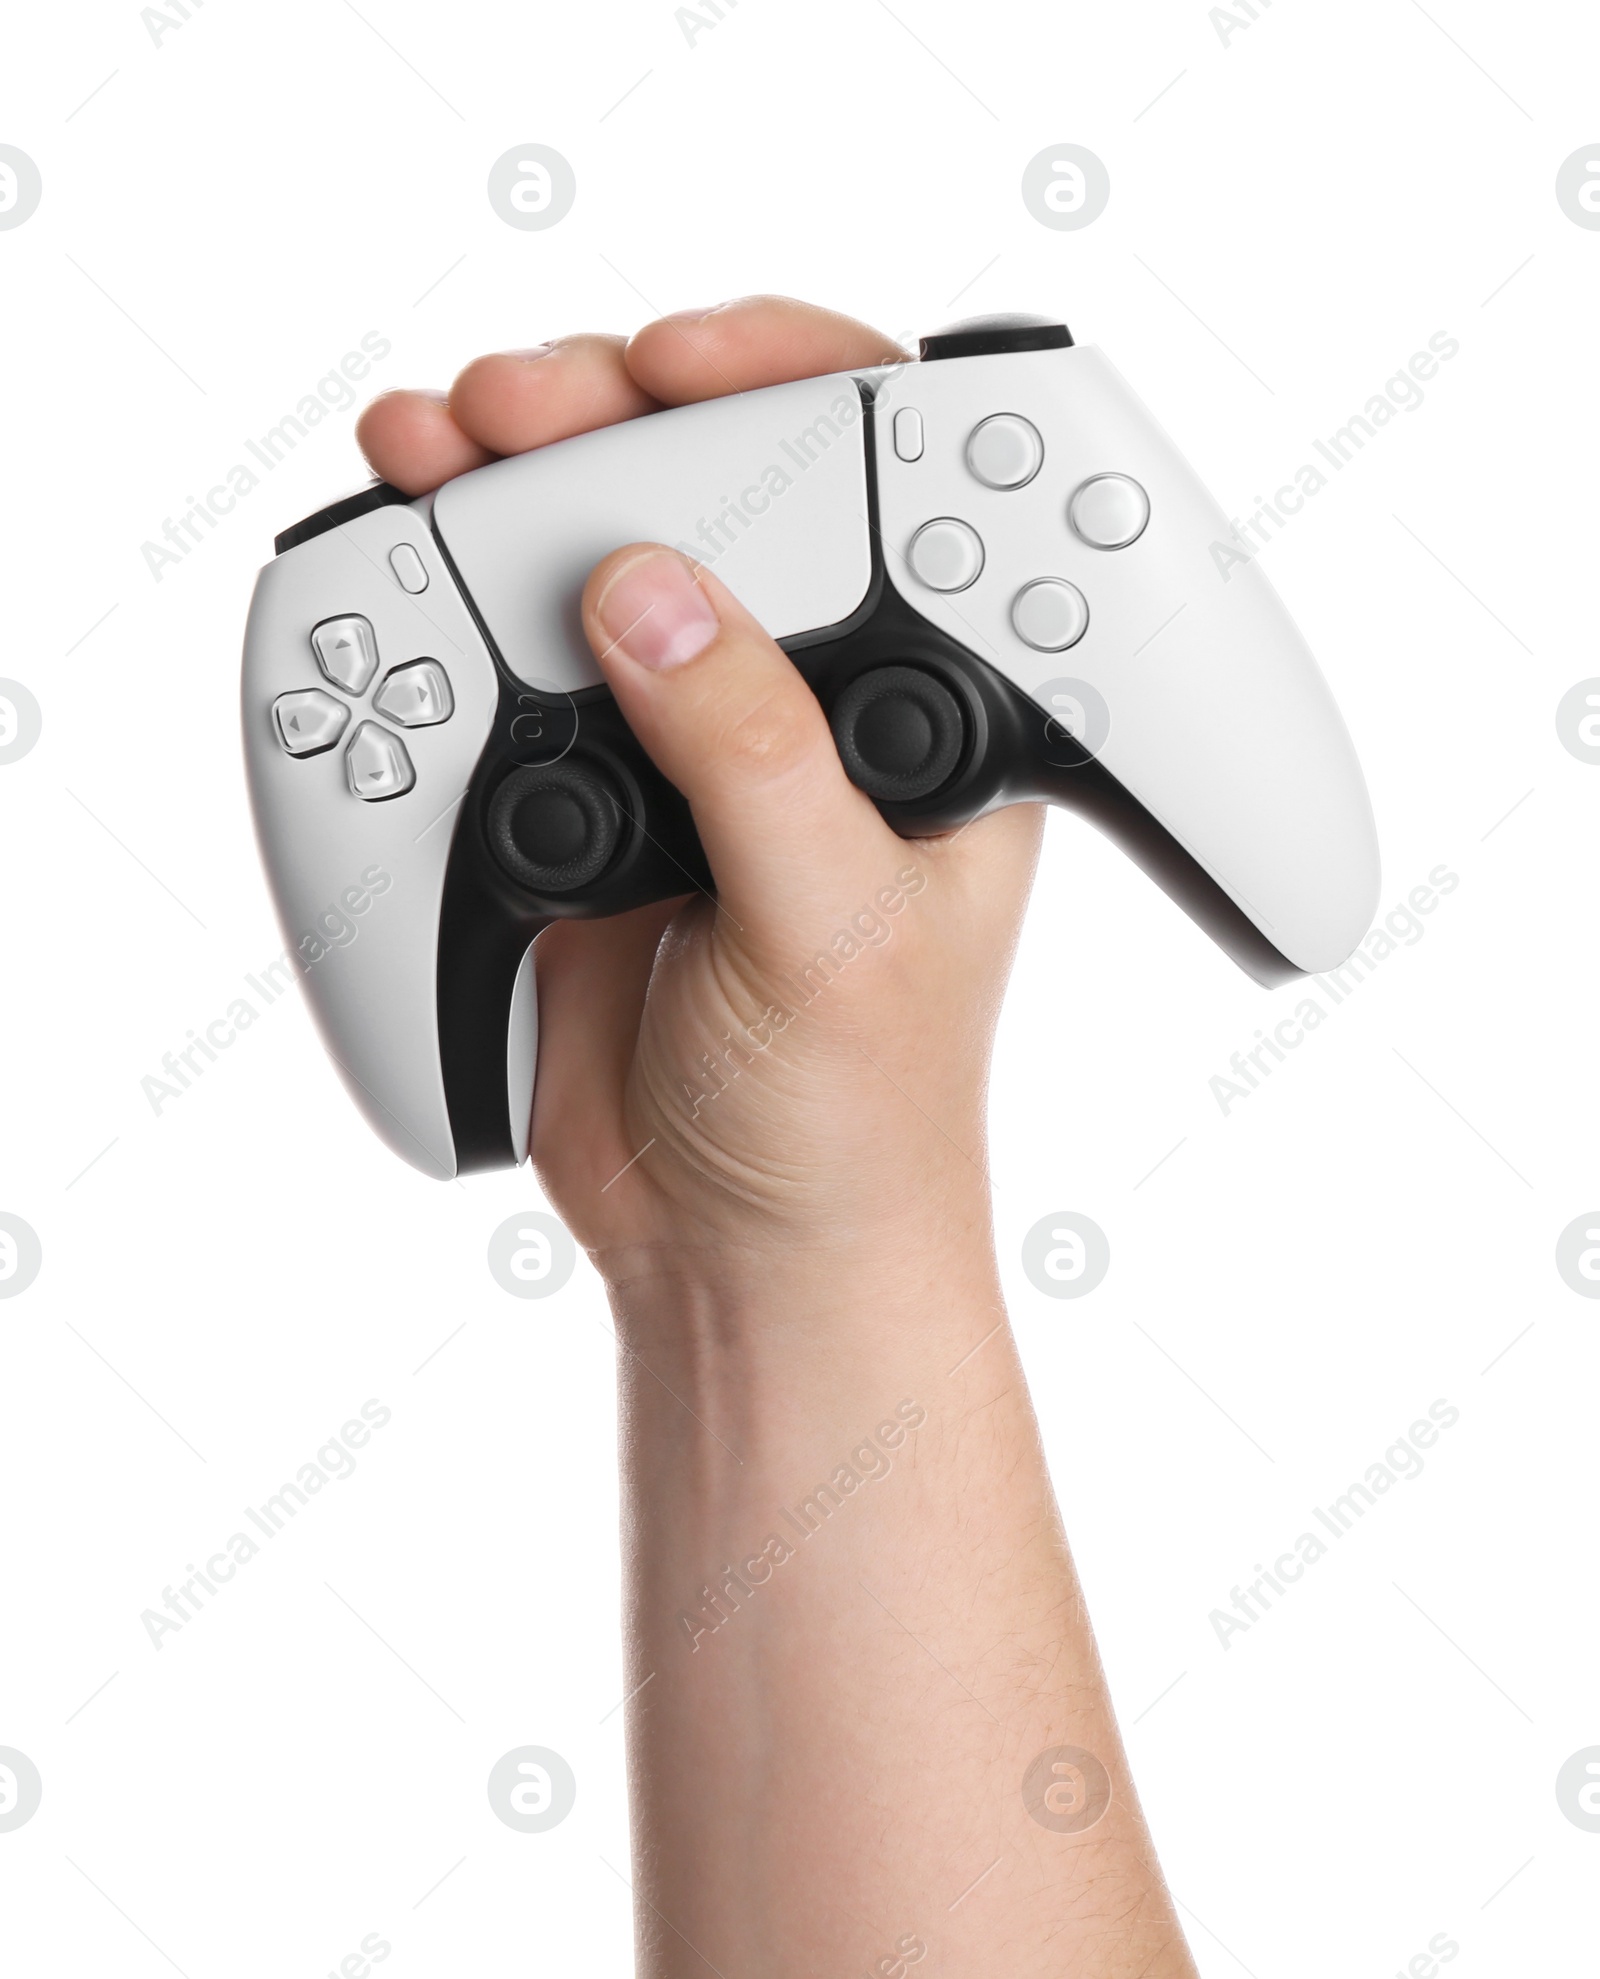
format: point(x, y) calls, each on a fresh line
point(993, 569)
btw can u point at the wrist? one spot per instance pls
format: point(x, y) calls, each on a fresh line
point(744, 1368)
point(879, 1282)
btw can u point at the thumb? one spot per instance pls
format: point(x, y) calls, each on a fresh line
point(725, 716)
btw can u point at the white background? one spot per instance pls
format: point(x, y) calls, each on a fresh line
point(1371, 1764)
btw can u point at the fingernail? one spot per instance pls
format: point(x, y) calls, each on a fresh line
point(692, 315)
point(534, 351)
point(655, 612)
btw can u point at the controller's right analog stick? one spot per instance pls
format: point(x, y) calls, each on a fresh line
point(555, 829)
point(900, 733)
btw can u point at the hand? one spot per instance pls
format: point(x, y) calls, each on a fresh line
point(832, 1714)
point(802, 1063)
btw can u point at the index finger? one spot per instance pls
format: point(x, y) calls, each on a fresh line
point(739, 346)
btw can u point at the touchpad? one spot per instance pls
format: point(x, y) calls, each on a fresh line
point(768, 490)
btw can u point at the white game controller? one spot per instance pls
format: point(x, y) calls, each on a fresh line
point(992, 567)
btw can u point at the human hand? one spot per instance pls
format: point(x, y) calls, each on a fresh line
point(801, 1064)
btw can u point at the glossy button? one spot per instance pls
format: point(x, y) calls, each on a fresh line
point(908, 433)
point(1109, 512)
point(1050, 615)
point(408, 567)
point(376, 764)
point(309, 721)
point(1005, 451)
point(946, 554)
point(416, 696)
point(347, 652)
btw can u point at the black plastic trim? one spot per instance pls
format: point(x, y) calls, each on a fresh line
point(337, 514)
point(994, 336)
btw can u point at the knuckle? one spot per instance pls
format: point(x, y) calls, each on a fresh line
point(777, 737)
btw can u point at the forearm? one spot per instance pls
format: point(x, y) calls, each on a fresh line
point(857, 1628)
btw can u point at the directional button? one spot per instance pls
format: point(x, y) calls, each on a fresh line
point(347, 652)
point(416, 696)
point(309, 722)
point(376, 764)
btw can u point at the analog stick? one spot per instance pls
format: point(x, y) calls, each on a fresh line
point(555, 829)
point(900, 733)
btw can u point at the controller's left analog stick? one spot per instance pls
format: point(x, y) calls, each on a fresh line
point(900, 733)
point(557, 828)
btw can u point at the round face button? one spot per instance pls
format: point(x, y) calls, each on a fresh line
point(1050, 615)
point(946, 554)
point(1109, 512)
point(1005, 451)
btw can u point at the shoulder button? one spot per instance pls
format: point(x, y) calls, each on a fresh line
point(995, 336)
point(336, 514)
